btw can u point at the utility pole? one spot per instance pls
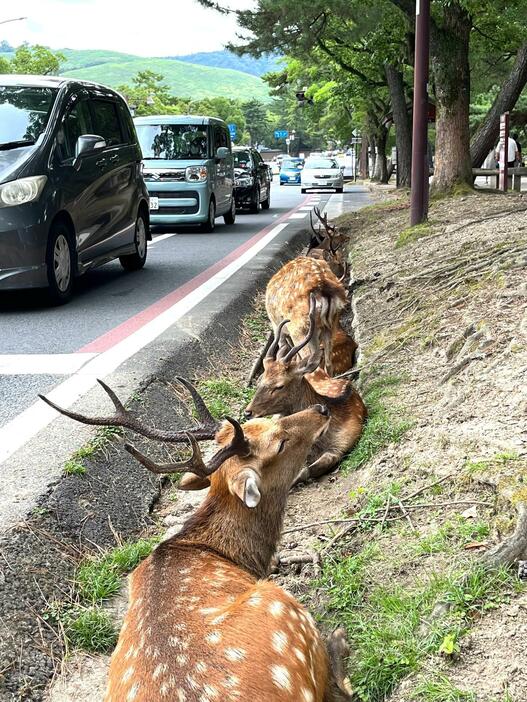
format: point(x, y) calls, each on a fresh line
point(420, 175)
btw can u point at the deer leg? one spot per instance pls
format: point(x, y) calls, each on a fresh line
point(320, 467)
point(257, 368)
point(339, 688)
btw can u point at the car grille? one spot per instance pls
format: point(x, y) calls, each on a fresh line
point(175, 175)
point(175, 209)
point(322, 176)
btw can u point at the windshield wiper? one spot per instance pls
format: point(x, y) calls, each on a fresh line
point(15, 144)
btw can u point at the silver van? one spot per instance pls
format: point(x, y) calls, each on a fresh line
point(188, 169)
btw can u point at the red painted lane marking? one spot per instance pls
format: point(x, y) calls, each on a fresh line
point(123, 330)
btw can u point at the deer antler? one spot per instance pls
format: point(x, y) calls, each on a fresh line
point(123, 418)
point(239, 446)
point(311, 331)
point(276, 342)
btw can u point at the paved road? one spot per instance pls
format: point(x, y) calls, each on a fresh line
point(40, 347)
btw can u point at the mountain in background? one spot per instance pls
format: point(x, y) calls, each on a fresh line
point(184, 78)
point(226, 59)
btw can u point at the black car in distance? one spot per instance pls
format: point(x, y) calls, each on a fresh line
point(72, 194)
point(252, 179)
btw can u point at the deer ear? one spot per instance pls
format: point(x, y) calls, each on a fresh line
point(310, 364)
point(246, 486)
point(189, 481)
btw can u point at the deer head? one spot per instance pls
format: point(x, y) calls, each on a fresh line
point(283, 387)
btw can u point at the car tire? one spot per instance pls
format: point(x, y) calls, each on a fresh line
point(255, 203)
point(60, 264)
point(210, 225)
point(339, 190)
point(266, 204)
point(282, 183)
point(303, 191)
point(135, 261)
point(230, 216)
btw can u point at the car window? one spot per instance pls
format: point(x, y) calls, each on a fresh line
point(242, 159)
point(321, 163)
point(24, 112)
point(288, 165)
point(221, 138)
point(106, 121)
point(76, 123)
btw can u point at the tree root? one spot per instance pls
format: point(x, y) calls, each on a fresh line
point(461, 365)
point(313, 558)
point(514, 548)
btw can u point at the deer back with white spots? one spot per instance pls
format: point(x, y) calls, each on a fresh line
point(203, 624)
point(289, 296)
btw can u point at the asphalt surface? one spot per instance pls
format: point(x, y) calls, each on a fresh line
point(107, 297)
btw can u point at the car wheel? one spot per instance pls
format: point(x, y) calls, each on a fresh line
point(303, 191)
point(255, 204)
point(339, 190)
point(135, 261)
point(59, 264)
point(210, 225)
point(230, 216)
point(282, 183)
point(266, 204)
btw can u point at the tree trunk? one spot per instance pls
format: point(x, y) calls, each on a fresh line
point(363, 162)
point(381, 166)
point(403, 127)
point(450, 65)
point(372, 141)
point(487, 133)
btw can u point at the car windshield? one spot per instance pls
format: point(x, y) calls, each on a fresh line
point(288, 165)
point(173, 141)
point(316, 163)
point(24, 114)
point(242, 159)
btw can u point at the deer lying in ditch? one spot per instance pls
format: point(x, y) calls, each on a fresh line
point(203, 625)
point(291, 383)
point(328, 245)
point(289, 295)
point(343, 353)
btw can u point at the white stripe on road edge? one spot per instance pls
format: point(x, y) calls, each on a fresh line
point(298, 215)
point(161, 237)
point(43, 364)
point(28, 423)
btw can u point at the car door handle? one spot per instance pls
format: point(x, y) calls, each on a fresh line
point(114, 158)
point(100, 163)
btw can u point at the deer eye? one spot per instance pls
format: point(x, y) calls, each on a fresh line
point(278, 387)
point(282, 445)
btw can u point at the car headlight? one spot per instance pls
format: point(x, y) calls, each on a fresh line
point(196, 174)
point(244, 181)
point(20, 191)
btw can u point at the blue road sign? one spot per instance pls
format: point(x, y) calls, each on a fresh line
point(281, 134)
point(233, 129)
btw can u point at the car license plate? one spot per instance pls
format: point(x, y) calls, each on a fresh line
point(154, 203)
point(292, 177)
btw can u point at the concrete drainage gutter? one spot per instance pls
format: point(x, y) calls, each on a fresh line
point(50, 520)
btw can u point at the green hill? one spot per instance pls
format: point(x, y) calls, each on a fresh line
point(184, 79)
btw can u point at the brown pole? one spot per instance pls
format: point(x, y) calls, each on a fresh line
point(419, 192)
point(504, 152)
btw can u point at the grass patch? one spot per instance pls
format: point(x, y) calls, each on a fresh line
point(225, 397)
point(91, 629)
point(384, 623)
point(74, 467)
point(440, 689)
point(100, 578)
point(382, 427)
point(411, 234)
point(456, 532)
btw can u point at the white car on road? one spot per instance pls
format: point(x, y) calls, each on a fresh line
point(322, 172)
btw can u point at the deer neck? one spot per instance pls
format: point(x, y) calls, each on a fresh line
point(247, 537)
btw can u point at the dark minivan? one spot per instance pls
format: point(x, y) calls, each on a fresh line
point(72, 195)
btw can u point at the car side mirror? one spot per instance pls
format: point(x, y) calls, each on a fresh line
point(222, 153)
point(88, 142)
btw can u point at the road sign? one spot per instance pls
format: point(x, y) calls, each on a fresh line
point(233, 129)
point(281, 134)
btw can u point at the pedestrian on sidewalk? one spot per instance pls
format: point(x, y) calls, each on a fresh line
point(511, 154)
point(519, 161)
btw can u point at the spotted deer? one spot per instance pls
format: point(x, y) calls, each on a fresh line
point(291, 383)
point(203, 624)
point(289, 295)
point(343, 353)
point(328, 244)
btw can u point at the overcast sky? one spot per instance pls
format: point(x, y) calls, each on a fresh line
point(155, 28)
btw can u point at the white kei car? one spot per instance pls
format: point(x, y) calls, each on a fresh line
point(322, 172)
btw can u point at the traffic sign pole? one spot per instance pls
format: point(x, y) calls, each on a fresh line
point(420, 175)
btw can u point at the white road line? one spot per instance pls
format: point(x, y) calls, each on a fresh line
point(298, 215)
point(43, 364)
point(28, 423)
point(161, 237)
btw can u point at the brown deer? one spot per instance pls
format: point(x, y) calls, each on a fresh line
point(203, 624)
point(291, 383)
point(343, 354)
point(328, 245)
point(292, 291)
